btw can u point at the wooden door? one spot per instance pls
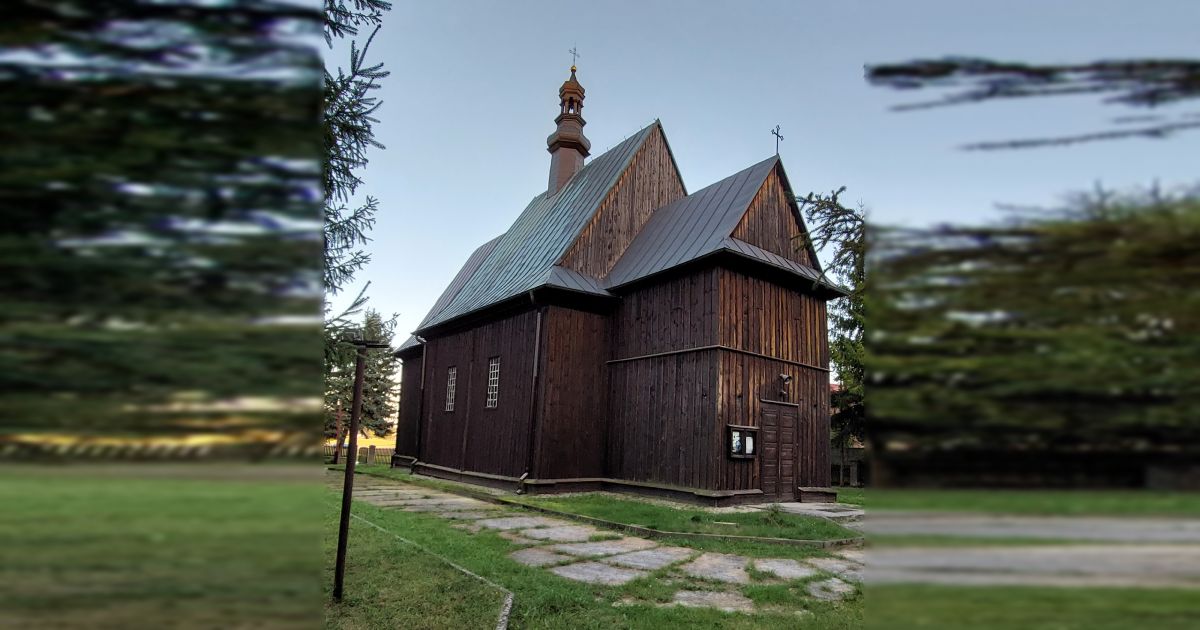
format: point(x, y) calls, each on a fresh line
point(777, 441)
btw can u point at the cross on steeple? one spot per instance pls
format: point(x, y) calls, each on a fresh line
point(775, 132)
point(574, 56)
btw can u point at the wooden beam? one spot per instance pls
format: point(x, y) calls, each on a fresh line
point(717, 347)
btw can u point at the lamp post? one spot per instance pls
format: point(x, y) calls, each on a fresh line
point(360, 366)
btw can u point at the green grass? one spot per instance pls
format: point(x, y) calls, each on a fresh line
point(749, 548)
point(1025, 608)
point(544, 600)
point(768, 524)
point(400, 474)
point(390, 584)
point(1042, 502)
point(159, 545)
point(853, 496)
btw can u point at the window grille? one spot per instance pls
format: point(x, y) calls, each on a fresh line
point(451, 381)
point(493, 386)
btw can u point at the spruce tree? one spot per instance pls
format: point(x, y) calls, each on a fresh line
point(161, 197)
point(841, 230)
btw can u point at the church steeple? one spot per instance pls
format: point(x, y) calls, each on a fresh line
point(567, 145)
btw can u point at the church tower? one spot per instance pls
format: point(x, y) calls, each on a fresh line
point(567, 145)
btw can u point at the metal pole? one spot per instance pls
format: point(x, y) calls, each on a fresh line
point(360, 362)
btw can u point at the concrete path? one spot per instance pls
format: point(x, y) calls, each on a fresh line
point(1074, 565)
point(586, 554)
point(1086, 528)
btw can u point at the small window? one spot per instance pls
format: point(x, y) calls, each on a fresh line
point(493, 389)
point(743, 442)
point(451, 380)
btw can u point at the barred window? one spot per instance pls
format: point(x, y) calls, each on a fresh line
point(493, 390)
point(451, 380)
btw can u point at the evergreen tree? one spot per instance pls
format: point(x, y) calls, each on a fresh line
point(1069, 330)
point(379, 382)
point(1065, 330)
point(842, 230)
point(348, 132)
point(161, 199)
point(1143, 84)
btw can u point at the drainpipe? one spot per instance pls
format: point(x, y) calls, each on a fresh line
point(533, 396)
point(421, 404)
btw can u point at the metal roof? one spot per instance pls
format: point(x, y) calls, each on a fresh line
point(691, 227)
point(753, 252)
point(524, 257)
point(571, 280)
point(411, 342)
point(460, 279)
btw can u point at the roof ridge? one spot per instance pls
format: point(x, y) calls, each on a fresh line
point(538, 238)
point(692, 226)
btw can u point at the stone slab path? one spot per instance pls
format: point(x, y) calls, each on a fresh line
point(587, 554)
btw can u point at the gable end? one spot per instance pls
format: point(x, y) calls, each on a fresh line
point(773, 222)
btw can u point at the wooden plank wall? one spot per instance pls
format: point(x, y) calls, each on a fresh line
point(663, 418)
point(473, 437)
point(572, 423)
point(410, 406)
point(674, 314)
point(650, 182)
point(745, 380)
point(662, 410)
point(763, 317)
point(771, 222)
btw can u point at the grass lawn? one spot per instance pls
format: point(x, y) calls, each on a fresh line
point(656, 516)
point(544, 600)
point(1025, 608)
point(390, 584)
point(1042, 502)
point(853, 496)
point(769, 524)
point(159, 545)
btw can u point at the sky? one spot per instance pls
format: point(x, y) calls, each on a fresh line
point(473, 93)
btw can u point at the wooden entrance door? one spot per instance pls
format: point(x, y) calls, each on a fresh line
point(778, 451)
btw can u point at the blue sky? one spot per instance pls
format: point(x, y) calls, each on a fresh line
point(473, 94)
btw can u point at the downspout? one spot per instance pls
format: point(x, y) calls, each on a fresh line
point(533, 396)
point(421, 403)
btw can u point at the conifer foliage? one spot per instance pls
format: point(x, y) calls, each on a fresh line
point(841, 230)
point(161, 187)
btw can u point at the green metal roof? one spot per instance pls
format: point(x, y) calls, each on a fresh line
point(524, 257)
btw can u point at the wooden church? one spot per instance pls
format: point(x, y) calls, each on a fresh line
point(626, 335)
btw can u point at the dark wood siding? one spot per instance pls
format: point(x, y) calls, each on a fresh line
point(745, 382)
point(573, 386)
point(662, 409)
point(650, 182)
point(766, 318)
point(474, 437)
point(410, 406)
point(771, 222)
point(663, 420)
point(675, 314)
point(789, 330)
